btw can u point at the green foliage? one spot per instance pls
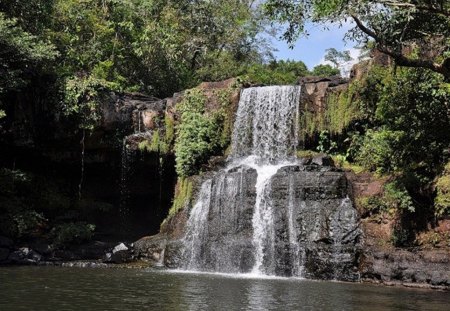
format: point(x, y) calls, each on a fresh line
point(400, 236)
point(326, 145)
point(324, 71)
point(442, 202)
point(337, 57)
point(414, 104)
point(371, 204)
point(342, 108)
point(397, 197)
point(379, 151)
point(202, 133)
point(183, 195)
point(276, 72)
point(197, 139)
point(81, 100)
point(72, 233)
point(22, 222)
point(21, 53)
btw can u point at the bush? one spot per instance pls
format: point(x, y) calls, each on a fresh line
point(442, 201)
point(379, 151)
point(72, 233)
point(397, 197)
point(198, 138)
point(201, 134)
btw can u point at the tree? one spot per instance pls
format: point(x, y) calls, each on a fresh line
point(324, 70)
point(413, 33)
point(21, 54)
point(337, 57)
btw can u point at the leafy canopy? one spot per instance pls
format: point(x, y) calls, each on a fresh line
point(396, 26)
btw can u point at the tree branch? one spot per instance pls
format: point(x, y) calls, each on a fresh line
point(401, 59)
point(430, 8)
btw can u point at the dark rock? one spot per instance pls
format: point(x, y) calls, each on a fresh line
point(399, 266)
point(121, 253)
point(4, 253)
point(24, 255)
point(65, 255)
point(92, 250)
point(6, 242)
point(322, 160)
point(41, 247)
point(121, 257)
point(439, 278)
point(173, 254)
point(151, 248)
point(332, 80)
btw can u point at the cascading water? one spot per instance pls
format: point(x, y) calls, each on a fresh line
point(266, 213)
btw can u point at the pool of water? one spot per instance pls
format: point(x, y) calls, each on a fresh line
point(56, 288)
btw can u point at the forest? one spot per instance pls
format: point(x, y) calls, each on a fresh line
point(60, 61)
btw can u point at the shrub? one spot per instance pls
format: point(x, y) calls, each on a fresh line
point(379, 150)
point(72, 233)
point(442, 201)
point(198, 138)
point(397, 197)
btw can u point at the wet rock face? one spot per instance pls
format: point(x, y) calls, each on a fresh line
point(223, 241)
point(428, 268)
point(315, 226)
point(321, 225)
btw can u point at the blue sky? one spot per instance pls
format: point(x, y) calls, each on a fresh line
point(311, 49)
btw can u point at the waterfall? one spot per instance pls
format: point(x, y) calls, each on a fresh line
point(265, 213)
point(266, 123)
point(264, 139)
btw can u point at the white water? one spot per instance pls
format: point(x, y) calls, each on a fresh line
point(267, 123)
point(195, 227)
point(264, 138)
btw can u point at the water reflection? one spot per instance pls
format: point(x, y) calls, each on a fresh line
point(38, 288)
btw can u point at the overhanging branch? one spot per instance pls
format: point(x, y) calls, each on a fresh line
point(401, 59)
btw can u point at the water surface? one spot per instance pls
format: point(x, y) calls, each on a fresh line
point(56, 288)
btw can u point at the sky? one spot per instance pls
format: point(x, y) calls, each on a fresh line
point(311, 49)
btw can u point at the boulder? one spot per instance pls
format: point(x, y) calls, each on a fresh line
point(121, 253)
point(24, 255)
point(322, 160)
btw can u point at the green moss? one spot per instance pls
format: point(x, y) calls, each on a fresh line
point(151, 146)
point(341, 109)
point(169, 125)
point(307, 153)
point(160, 143)
point(353, 167)
point(183, 195)
point(225, 114)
